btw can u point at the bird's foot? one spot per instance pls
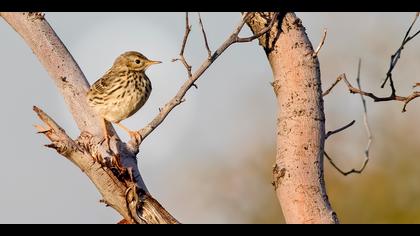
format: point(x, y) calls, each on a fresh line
point(106, 140)
point(135, 135)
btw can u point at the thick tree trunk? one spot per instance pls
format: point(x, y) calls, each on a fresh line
point(298, 171)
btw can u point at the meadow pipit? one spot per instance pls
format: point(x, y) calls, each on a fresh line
point(122, 91)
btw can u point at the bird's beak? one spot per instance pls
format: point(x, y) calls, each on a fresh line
point(153, 62)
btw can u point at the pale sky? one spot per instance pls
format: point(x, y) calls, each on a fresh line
point(234, 106)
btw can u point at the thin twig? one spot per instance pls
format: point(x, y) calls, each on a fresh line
point(368, 132)
point(263, 31)
point(187, 32)
point(396, 56)
point(359, 171)
point(375, 98)
point(329, 133)
point(204, 35)
point(321, 43)
point(181, 56)
point(332, 86)
point(176, 100)
point(365, 118)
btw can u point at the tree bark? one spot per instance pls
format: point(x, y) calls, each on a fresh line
point(298, 172)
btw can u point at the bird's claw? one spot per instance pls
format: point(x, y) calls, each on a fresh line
point(106, 140)
point(136, 136)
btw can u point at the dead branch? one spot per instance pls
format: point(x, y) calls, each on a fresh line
point(365, 122)
point(80, 156)
point(321, 43)
point(329, 133)
point(204, 35)
point(396, 56)
point(119, 195)
point(404, 99)
point(184, 43)
point(394, 59)
point(392, 97)
point(365, 118)
point(178, 98)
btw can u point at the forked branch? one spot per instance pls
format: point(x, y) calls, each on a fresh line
point(397, 55)
point(179, 97)
point(204, 35)
point(365, 122)
point(392, 97)
point(321, 43)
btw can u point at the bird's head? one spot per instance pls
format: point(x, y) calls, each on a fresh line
point(133, 61)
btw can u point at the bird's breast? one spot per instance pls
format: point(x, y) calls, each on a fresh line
point(130, 98)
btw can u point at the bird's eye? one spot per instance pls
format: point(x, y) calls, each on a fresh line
point(138, 61)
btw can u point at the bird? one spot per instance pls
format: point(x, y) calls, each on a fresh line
point(121, 91)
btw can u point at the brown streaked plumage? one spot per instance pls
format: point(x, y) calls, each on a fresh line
point(122, 91)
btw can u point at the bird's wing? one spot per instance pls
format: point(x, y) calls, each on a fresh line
point(104, 83)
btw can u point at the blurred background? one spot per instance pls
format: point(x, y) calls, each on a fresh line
point(211, 160)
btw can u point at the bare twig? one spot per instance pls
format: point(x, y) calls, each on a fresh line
point(263, 31)
point(204, 35)
point(368, 131)
point(187, 32)
point(332, 86)
point(396, 56)
point(181, 56)
point(329, 133)
point(365, 119)
point(375, 98)
point(321, 43)
point(393, 97)
point(176, 100)
point(359, 171)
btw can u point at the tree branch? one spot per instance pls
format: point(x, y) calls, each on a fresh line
point(396, 56)
point(394, 59)
point(393, 97)
point(179, 97)
point(329, 133)
point(204, 35)
point(365, 122)
point(404, 99)
point(321, 43)
point(184, 43)
point(113, 193)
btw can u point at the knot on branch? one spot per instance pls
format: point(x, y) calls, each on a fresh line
point(276, 87)
point(62, 147)
point(86, 141)
point(36, 16)
point(278, 174)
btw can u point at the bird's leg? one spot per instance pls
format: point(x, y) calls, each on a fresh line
point(133, 134)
